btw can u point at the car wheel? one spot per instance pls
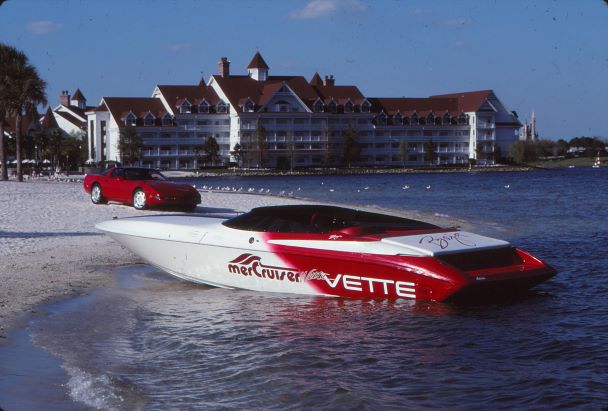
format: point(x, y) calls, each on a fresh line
point(139, 199)
point(96, 195)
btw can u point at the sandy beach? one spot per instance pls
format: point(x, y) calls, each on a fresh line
point(49, 248)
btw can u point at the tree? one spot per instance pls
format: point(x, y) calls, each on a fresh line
point(430, 151)
point(129, 145)
point(523, 151)
point(237, 152)
point(212, 148)
point(403, 151)
point(262, 146)
point(21, 91)
point(351, 147)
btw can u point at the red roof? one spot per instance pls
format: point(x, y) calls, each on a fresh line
point(340, 94)
point(316, 80)
point(257, 62)
point(48, 121)
point(423, 106)
point(239, 88)
point(175, 95)
point(120, 107)
point(469, 101)
point(78, 95)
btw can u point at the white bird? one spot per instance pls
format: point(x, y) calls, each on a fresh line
point(250, 189)
point(366, 188)
point(267, 190)
point(508, 186)
point(428, 187)
point(331, 190)
point(406, 187)
point(299, 188)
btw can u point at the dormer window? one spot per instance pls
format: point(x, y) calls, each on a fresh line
point(318, 106)
point(185, 107)
point(221, 107)
point(149, 119)
point(282, 106)
point(397, 119)
point(249, 106)
point(203, 107)
point(415, 118)
point(332, 107)
point(430, 119)
point(381, 119)
point(365, 107)
point(348, 107)
point(130, 120)
point(463, 119)
point(406, 120)
point(167, 120)
point(446, 118)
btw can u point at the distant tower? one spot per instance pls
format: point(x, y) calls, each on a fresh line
point(529, 130)
point(257, 68)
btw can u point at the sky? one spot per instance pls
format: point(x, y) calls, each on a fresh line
point(550, 57)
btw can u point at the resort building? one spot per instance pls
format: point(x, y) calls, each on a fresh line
point(288, 121)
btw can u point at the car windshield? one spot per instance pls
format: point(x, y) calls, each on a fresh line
point(143, 174)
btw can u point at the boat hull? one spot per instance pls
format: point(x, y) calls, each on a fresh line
point(206, 258)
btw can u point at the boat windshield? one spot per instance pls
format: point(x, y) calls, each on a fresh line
point(319, 219)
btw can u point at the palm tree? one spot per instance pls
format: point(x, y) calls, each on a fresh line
point(22, 90)
point(30, 93)
point(10, 59)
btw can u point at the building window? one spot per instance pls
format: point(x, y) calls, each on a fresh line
point(185, 107)
point(318, 107)
point(365, 107)
point(398, 119)
point(167, 120)
point(282, 106)
point(130, 120)
point(203, 107)
point(149, 120)
point(430, 119)
point(332, 107)
point(248, 106)
point(222, 107)
point(446, 118)
point(415, 118)
point(348, 107)
point(381, 119)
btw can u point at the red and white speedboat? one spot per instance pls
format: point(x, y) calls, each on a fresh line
point(332, 251)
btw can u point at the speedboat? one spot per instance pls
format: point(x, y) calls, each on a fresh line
point(330, 251)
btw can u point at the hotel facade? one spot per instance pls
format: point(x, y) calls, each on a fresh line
point(301, 124)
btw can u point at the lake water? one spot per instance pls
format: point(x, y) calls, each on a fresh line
point(153, 342)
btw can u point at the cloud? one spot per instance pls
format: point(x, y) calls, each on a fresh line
point(179, 47)
point(316, 9)
point(43, 27)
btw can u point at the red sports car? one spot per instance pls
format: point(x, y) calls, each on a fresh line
point(141, 187)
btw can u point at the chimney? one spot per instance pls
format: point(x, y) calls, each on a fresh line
point(64, 98)
point(224, 67)
point(329, 81)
